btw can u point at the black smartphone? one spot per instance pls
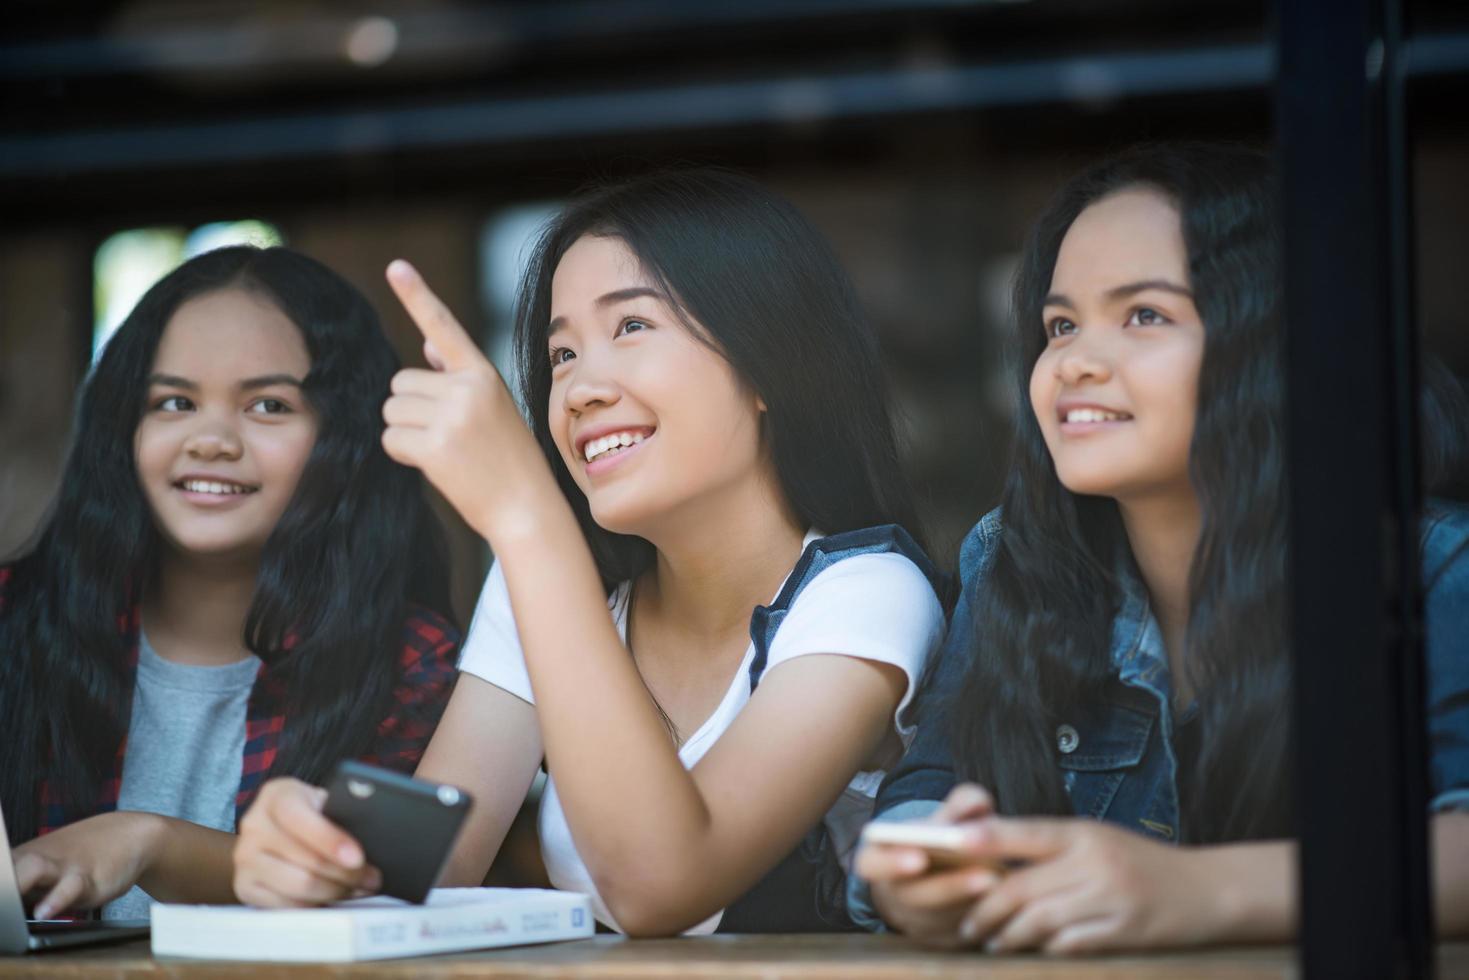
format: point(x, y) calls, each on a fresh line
point(406, 826)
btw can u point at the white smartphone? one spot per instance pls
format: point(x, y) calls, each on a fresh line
point(943, 843)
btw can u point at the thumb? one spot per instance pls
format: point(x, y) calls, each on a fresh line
point(1022, 838)
point(967, 801)
point(454, 348)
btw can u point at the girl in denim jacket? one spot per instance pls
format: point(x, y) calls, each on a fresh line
point(701, 613)
point(1119, 652)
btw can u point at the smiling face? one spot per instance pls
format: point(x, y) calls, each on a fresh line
point(649, 420)
point(226, 430)
point(1115, 389)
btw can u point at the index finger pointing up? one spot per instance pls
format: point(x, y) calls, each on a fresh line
point(438, 326)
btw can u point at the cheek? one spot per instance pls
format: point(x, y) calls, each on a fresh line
point(152, 453)
point(724, 426)
point(1043, 396)
point(559, 424)
point(1171, 387)
point(282, 455)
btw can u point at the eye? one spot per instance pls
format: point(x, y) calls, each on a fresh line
point(1146, 316)
point(560, 355)
point(1060, 327)
point(173, 403)
point(268, 406)
point(631, 326)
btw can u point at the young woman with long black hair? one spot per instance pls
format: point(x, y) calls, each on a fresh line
point(234, 581)
point(705, 613)
point(1120, 651)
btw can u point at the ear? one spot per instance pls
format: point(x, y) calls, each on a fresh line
point(760, 405)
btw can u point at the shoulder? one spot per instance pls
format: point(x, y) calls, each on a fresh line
point(882, 540)
point(868, 601)
point(1445, 544)
point(877, 564)
point(978, 549)
point(886, 580)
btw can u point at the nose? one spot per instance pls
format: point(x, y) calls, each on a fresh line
point(1086, 358)
point(590, 386)
point(212, 440)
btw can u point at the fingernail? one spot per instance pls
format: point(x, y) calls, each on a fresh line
point(968, 929)
point(349, 855)
point(912, 862)
point(399, 268)
point(993, 946)
point(43, 911)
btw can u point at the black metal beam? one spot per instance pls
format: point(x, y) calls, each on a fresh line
point(1354, 496)
point(798, 98)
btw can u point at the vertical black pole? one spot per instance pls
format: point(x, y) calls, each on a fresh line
point(1356, 601)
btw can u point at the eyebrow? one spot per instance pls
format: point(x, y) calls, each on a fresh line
point(263, 381)
point(616, 296)
point(1124, 291)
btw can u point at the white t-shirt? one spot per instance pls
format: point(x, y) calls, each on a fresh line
point(874, 606)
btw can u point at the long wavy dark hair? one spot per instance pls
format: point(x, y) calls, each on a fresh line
point(355, 547)
point(1043, 623)
point(759, 284)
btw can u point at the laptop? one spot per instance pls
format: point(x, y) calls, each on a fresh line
point(19, 935)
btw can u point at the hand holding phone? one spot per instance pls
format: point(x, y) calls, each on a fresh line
point(406, 826)
point(945, 844)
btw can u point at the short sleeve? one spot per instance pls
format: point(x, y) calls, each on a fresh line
point(492, 651)
point(877, 607)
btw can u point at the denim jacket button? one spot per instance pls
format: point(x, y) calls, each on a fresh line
point(1067, 739)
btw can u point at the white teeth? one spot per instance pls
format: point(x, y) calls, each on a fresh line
point(210, 486)
point(1094, 415)
point(610, 443)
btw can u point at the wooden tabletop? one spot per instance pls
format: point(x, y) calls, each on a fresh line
point(852, 957)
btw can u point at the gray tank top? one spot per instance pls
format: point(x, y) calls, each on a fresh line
point(186, 740)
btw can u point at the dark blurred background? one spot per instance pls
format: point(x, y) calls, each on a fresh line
point(923, 137)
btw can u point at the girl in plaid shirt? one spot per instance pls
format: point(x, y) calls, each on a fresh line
point(226, 510)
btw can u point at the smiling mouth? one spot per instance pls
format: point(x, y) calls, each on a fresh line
point(218, 488)
point(613, 443)
point(1094, 415)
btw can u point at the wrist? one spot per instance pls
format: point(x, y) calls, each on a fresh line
point(535, 514)
point(1251, 891)
point(147, 834)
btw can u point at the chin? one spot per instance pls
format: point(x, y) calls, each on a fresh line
point(1089, 483)
point(214, 545)
point(622, 514)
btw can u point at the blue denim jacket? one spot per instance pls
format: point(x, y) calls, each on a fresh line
point(1117, 754)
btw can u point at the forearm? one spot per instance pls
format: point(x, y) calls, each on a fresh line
point(1258, 891)
point(187, 862)
point(1451, 874)
point(1254, 891)
point(602, 736)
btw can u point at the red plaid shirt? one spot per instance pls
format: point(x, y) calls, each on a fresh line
point(430, 646)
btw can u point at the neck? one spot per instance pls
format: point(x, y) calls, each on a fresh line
point(713, 567)
point(195, 611)
point(1163, 532)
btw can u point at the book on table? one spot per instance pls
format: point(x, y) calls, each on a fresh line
point(373, 928)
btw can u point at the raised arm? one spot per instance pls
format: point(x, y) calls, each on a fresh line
point(666, 847)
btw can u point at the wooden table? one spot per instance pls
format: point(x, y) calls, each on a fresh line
point(766, 957)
